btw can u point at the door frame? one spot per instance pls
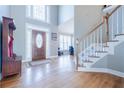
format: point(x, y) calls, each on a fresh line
point(29, 28)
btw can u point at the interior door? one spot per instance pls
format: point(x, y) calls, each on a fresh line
point(38, 45)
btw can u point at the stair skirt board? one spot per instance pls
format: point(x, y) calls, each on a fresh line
point(93, 56)
point(103, 70)
point(119, 34)
point(101, 51)
point(106, 46)
point(87, 61)
point(113, 41)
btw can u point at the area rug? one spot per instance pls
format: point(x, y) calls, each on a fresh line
point(39, 62)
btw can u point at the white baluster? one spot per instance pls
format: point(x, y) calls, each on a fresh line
point(101, 38)
point(95, 43)
point(82, 46)
point(122, 19)
point(91, 45)
point(97, 40)
point(87, 48)
point(112, 23)
point(84, 50)
point(117, 24)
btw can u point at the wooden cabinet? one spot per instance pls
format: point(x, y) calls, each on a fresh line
point(12, 67)
point(11, 63)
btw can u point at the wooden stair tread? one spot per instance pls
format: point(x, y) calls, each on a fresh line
point(113, 40)
point(87, 61)
point(101, 51)
point(119, 34)
point(106, 46)
point(81, 65)
point(93, 56)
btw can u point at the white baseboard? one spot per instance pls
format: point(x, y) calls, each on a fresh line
point(27, 60)
point(103, 70)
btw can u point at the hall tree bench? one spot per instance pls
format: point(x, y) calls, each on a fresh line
point(11, 63)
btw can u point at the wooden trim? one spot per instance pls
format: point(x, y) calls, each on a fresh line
point(107, 29)
point(104, 18)
point(7, 18)
point(104, 70)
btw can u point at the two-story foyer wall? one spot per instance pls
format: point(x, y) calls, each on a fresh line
point(86, 18)
point(19, 15)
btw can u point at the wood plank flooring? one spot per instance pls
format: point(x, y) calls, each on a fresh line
point(60, 73)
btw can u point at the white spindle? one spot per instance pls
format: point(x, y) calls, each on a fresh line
point(101, 38)
point(117, 24)
point(122, 19)
point(112, 23)
point(95, 42)
point(91, 45)
point(87, 49)
point(97, 39)
point(85, 54)
point(84, 50)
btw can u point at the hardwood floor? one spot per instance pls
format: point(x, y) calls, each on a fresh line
point(60, 73)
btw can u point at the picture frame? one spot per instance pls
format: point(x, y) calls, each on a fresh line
point(54, 36)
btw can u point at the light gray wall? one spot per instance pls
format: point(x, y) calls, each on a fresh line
point(67, 27)
point(114, 62)
point(4, 11)
point(86, 17)
point(102, 63)
point(19, 15)
point(66, 12)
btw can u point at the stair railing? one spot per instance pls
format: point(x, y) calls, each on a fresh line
point(93, 39)
point(116, 23)
point(96, 40)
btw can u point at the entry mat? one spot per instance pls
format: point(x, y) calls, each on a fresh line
point(39, 62)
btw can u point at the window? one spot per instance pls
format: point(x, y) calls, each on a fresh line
point(61, 42)
point(64, 42)
point(28, 11)
point(38, 12)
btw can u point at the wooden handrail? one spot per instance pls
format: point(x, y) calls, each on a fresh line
point(114, 11)
point(104, 18)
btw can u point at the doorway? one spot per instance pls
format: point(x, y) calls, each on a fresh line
point(38, 45)
point(29, 41)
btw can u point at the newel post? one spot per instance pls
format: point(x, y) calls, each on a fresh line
point(107, 28)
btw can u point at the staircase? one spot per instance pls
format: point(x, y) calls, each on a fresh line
point(101, 42)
